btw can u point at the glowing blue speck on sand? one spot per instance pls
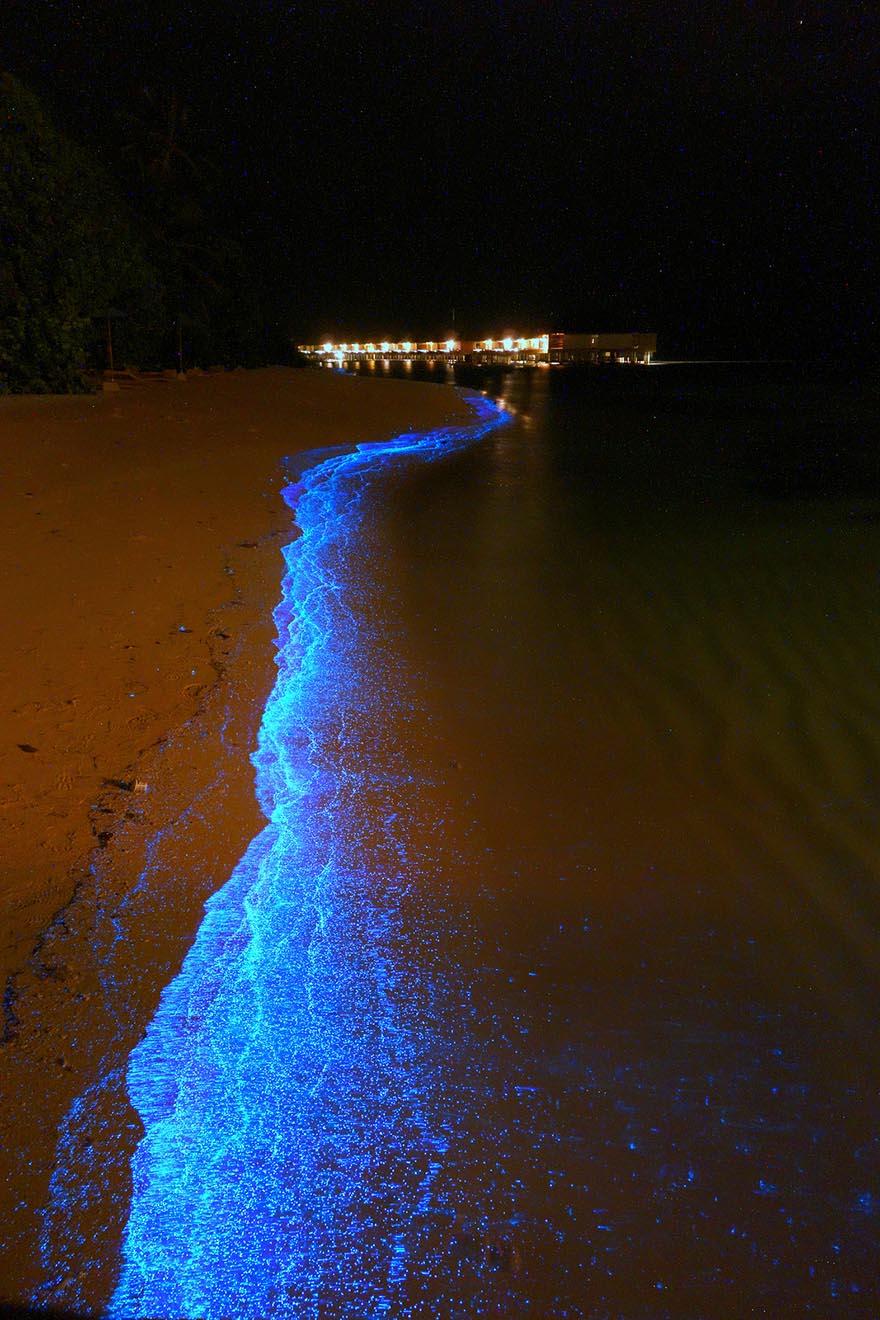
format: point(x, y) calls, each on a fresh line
point(283, 1082)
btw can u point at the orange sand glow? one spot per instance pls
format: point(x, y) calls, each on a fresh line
point(140, 567)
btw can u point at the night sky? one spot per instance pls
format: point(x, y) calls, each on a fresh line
point(707, 171)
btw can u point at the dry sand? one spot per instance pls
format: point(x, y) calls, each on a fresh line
point(140, 568)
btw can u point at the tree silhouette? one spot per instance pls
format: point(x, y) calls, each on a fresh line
point(71, 249)
point(209, 285)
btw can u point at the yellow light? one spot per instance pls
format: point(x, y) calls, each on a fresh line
point(507, 345)
point(328, 348)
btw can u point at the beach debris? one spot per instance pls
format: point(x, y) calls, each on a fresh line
point(183, 628)
point(127, 786)
point(26, 747)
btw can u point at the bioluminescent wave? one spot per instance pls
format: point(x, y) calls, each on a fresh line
point(286, 1081)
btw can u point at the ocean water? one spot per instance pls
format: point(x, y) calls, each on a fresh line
point(551, 988)
point(644, 619)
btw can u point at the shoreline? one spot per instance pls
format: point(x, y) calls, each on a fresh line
point(289, 897)
point(76, 1005)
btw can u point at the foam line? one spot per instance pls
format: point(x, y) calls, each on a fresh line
point(285, 1082)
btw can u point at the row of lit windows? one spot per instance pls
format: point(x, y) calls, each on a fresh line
point(508, 344)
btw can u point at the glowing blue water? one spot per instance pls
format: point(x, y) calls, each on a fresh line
point(286, 1082)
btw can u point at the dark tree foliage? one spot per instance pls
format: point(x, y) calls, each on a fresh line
point(135, 242)
point(210, 286)
point(70, 251)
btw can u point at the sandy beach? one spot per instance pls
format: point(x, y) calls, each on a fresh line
point(140, 569)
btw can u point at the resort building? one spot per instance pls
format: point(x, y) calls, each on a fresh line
point(600, 348)
point(531, 350)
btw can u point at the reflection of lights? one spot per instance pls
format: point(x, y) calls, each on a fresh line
point(339, 355)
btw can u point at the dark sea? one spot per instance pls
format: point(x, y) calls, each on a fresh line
point(637, 628)
point(550, 987)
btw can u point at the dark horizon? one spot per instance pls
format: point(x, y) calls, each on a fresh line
point(704, 176)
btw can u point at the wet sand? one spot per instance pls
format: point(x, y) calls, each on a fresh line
point(140, 567)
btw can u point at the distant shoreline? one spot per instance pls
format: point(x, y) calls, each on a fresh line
point(724, 362)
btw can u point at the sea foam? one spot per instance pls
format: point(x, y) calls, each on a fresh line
point(285, 1083)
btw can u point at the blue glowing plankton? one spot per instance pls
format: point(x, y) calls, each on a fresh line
point(285, 1082)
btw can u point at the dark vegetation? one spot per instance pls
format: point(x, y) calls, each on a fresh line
point(118, 243)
